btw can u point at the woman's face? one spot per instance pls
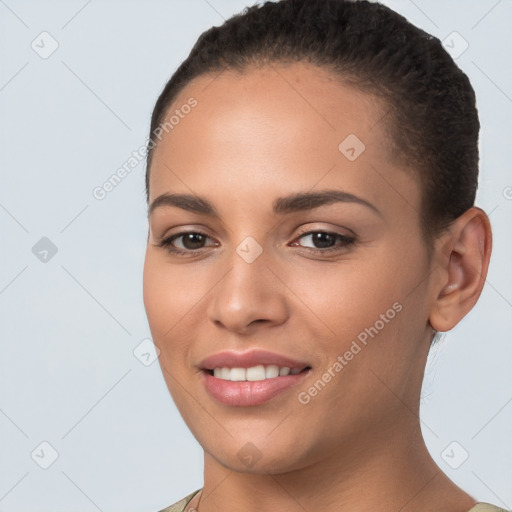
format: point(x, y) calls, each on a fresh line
point(335, 286)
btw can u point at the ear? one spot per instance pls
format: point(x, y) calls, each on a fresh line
point(462, 260)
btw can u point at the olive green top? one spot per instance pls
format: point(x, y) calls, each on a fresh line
point(179, 506)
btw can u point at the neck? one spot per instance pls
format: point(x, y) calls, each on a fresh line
point(388, 470)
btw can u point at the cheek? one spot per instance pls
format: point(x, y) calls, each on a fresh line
point(347, 296)
point(168, 294)
point(174, 299)
point(167, 298)
point(366, 307)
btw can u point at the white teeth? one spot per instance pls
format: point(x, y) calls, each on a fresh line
point(271, 371)
point(254, 373)
point(238, 374)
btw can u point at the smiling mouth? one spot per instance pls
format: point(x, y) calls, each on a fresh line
point(254, 373)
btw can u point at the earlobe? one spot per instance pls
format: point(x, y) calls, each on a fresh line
point(464, 269)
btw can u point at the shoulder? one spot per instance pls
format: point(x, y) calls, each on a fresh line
point(179, 506)
point(487, 507)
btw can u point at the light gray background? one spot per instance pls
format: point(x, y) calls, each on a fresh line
point(69, 327)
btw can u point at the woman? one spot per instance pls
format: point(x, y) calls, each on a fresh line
point(311, 178)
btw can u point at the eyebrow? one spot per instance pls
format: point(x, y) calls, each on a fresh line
point(300, 201)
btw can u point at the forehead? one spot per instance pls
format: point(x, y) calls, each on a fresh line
point(299, 95)
point(294, 124)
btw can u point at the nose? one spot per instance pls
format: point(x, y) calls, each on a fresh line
point(248, 295)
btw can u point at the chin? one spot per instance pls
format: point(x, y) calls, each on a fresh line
point(260, 456)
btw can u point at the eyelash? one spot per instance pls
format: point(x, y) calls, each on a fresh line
point(167, 242)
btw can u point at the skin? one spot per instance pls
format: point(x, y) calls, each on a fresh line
point(357, 445)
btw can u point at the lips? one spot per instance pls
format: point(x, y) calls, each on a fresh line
point(244, 393)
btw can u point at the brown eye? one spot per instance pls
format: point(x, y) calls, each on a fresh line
point(191, 240)
point(323, 241)
point(186, 242)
